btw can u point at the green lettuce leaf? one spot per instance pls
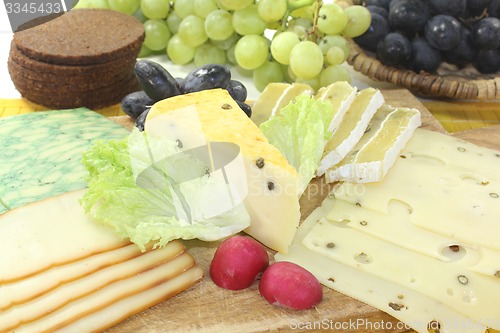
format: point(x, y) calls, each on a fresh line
point(150, 191)
point(300, 132)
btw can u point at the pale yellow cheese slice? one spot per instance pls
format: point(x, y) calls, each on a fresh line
point(33, 286)
point(377, 150)
point(451, 187)
point(414, 309)
point(50, 232)
point(272, 183)
point(275, 97)
point(351, 129)
point(83, 286)
point(115, 313)
point(118, 291)
point(340, 95)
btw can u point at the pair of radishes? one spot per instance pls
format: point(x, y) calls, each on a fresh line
point(238, 262)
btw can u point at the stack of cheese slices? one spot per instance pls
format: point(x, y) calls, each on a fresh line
point(61, 271)
point(412, 228)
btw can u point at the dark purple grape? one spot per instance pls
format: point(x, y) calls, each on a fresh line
point(464, 52)
point(141, 120)
point(443, 32)
point(237, 90)
point(494, 8)
point(378, 10)
point(134, 104)
point(455, 8)
point(477, 7)
point(486, 33)
point(379, 28)
point(380, 3)
point(206, 77)
point(155, 80)
point(423, 56)
point(394, 50)
point(245, 107)
point(487, 61)
point(408, 16)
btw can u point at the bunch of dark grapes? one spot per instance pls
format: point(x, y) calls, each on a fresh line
point(421, 34)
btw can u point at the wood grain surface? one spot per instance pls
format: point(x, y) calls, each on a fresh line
point(208, 308)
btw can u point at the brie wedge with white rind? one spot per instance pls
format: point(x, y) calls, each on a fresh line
point(340, 95)
point(412, 308)
point(351, 129)
point(377, 150)
point(454, 189)
point(275, 97)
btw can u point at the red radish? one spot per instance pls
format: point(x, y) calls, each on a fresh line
point(289, 285)
point(237, 262)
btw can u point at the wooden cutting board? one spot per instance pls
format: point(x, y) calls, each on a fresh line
point(208, 308)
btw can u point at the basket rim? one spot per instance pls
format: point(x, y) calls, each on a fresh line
point(425, 84)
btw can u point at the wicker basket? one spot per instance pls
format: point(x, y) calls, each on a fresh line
point(449, 82)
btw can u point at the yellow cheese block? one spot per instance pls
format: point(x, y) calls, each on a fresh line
point(193, 120)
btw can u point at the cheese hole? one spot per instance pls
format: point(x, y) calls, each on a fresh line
point(363, 258)
point(428, 159)
point(453, 252)
point(450, 292)
point(469, 297)
point(399, 208)
point(474, 179)
point(340, 224)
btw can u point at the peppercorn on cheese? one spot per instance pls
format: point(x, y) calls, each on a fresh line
point(272, 183)
point(41, 153)
point(425, 250)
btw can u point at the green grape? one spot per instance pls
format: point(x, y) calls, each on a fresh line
point(138, 14)
point(330, 41)
point(272, 10)
point(184, 8)
point(227, 43)
point(359, 20)
point(157, 34)
point(331, 19)
point(248, 22)
point(282, 45)
point(155, 9)
point(204, 7)
point(173, 22)
point(209, 54)
point(144, 52)
point(244, 72)
point(102, 4)
point(235, 4)
point(306, 60)
point(124, 6)
point(300, 26)
point(306, 12)
point(269, 72)
point(335, 56)
point(313, 83)
point(218, 25)
point(333, 74)
point(251, 51)
point(192, 31)
point(178, 52)
point(291, 74)
point(230, 54)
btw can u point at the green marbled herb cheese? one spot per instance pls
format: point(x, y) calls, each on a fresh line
point(41, 153)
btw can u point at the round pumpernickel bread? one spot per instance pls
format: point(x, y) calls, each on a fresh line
point(82, 37)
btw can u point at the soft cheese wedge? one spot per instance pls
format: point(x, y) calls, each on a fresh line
point(411, 307)
point(273, 184)
point(44, 159)
point(352, 127)
point(377, 150)
point(276, 96)
point(340, 95)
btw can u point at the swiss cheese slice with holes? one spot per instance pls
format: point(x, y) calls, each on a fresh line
point(377, 150)
point(351, 129)
point(275, 97)
point(272, 199)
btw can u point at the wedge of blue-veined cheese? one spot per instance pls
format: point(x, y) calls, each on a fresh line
point(451, 187)
point(340, 95)
point(41, 153)
point(377, 150)
point(272, 183)
point(414, 309)
point(276, 96)
point(351, 129)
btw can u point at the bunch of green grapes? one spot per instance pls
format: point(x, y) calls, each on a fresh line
point(272, 40)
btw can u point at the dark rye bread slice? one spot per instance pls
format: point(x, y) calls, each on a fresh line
point(82, 37)
point(78, 82)
point(58, 99)
point(95, 71)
